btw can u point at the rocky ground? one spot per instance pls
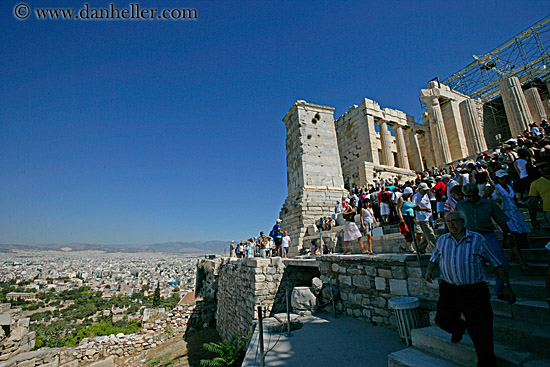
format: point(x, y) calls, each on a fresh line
point(175, 352)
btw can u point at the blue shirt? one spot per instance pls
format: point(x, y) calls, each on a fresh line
point(463, 262)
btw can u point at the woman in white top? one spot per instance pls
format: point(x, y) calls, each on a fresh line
point(351, 232)
point(521, 167)
point(368, 222)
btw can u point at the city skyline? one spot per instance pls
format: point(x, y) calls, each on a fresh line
point(135, 132)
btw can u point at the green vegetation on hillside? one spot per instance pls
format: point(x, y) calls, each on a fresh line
point(78, 313)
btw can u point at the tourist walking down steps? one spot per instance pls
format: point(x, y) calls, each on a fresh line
point(461, 256)
point(351, 232)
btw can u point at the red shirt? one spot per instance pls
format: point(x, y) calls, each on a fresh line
point(380, 200)
point(440, 190)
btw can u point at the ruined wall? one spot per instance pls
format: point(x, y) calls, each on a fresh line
point(15, 336)
point(366, 284)
point(245, 284)
point(153, 332)
point(367, 155)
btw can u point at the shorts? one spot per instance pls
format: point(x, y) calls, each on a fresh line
point(440, 206)
point(285, 249)
point(368, 229)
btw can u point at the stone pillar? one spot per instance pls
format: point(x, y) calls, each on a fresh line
point(314, 173)
point(536, 107)
point(401, 147)
point(456, 138)
point(472, 127)
point(515, 105)
point(439, 135)
point(385, 141)
point(416, 153)
point(372, 139)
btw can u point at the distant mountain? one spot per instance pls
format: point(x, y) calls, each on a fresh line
point(196, 247)
point(210, 247)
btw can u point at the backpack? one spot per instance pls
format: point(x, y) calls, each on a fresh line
point(384, 196)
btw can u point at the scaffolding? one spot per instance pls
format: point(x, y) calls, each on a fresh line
point(526, 56)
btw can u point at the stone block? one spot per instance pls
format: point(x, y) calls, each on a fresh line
point(384, 273)
point(303, 299)
point(380, 283)
point(371, 270)
point(27, 363)
point(399, 272)
point(335, 268)
point(398, 287)
point(344, 280)
point(414, 272)
point(419, 287)
point(361, 281)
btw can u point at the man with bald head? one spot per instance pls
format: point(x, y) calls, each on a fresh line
point(461, 256)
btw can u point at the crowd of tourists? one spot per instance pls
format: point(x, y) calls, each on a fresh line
point(463, 201)
point(277, 243)
point(504, 176)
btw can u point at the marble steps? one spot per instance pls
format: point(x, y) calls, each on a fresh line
point(436, 341)
point(432, 347)
point(539, 255)
point(524, 287)
point(525, 309)
point(527, 336)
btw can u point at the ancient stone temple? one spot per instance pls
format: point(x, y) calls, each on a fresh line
point(367, 155)
point(314, 174)
point(455, 123)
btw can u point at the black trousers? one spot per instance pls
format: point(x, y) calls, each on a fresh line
point(473, 301)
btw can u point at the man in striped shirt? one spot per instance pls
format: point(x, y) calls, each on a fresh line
point(460, 255)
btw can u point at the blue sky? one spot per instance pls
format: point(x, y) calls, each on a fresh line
point(119, 132)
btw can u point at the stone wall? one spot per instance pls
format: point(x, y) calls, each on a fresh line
point(367, 282)
point(245, 284)
point(157, 329)
point(15, 336)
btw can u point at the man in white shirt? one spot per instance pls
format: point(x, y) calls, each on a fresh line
point(423, 210)
point(287, 243)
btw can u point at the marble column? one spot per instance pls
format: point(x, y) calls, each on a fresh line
point(415, 150)
point(536, 107)
point(515, 105)
point(401, 147)
point(385, 141)
point(475, 139)
point(439, 135)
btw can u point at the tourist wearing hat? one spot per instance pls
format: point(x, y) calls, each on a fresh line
point(423, 210)
point(449, 182)
point(505, 197)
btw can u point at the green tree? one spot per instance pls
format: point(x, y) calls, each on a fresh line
point(156, 296)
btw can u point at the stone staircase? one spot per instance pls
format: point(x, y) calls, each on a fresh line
point(521, 330)
point(388, 243)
